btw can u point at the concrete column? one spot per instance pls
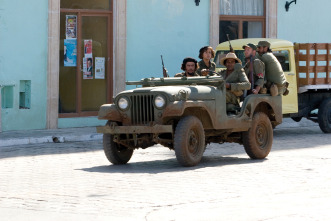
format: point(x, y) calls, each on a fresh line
point(53, 63)
point(214, 23)
point(271, 18)
point(119, 45)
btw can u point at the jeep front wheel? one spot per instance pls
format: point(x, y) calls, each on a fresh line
point(258, 139)
point(116, 153)
point(189, 141)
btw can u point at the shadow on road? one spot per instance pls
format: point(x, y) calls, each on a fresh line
point(169, 165)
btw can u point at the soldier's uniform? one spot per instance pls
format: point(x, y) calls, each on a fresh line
point(238, 81)
point(202, 65)
point(183, 74)
point(273, 69)
point(258, 71)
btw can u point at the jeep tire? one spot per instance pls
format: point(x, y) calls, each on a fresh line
point(189, 141)
point(116, 153)
point(324, 116)
point(258, 139)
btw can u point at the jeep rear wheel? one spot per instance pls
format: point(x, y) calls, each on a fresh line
point(258, 139)
point(189, 141)
point(116, 153)
point(324, 116)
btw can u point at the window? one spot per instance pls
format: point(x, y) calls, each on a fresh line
point(241, 19)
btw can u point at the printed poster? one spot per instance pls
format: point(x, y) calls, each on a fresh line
point(70, 52)
point(71, 26)
point(88, 48)
point(99, 68)
point(87, 68)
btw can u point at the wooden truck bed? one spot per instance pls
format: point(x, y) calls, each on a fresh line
point(313, 65)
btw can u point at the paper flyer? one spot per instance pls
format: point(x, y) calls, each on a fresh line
point(99, 68)
point(87, 68)
point(88, 48)
point(70, 52)
point(71, 26)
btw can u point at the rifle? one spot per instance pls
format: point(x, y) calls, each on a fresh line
point(251, 72)
point(165, 72)
point(231, 49)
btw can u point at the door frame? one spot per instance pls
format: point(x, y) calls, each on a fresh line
point(118, 53)
point(109, 75)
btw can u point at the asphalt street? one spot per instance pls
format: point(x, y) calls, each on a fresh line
point(74, 180)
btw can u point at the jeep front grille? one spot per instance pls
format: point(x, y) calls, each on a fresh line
point(142, 110)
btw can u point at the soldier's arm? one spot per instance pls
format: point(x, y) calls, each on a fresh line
point(243, 82)
point(259, 72)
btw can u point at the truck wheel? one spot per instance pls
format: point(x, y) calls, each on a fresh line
point(258, 139)
point(324, 116)
point(116, 153)
point(189, 141)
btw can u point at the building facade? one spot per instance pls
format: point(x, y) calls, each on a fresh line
point(60, 60)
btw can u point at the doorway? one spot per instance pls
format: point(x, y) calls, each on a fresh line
point(86, 62)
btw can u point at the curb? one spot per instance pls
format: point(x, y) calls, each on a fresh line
point(50, 139)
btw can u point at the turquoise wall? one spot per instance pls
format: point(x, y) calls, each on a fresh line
point(306, 21)
point(173, 28)
point(23, 56)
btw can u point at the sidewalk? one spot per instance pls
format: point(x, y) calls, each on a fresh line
point(22, 137)
point(12, 138)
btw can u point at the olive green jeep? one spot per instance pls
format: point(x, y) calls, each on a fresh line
point(185, 114)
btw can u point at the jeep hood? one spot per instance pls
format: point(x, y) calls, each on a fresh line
point(199, 92)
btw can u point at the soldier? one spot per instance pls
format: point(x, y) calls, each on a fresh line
point(189, 66)
point(254, 69)
point(235, 78)
point(276, 81)
point(205, 65)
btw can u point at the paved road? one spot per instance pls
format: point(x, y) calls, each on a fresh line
point(71, 181)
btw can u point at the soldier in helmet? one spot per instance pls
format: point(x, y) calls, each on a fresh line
point(276, 81)
point(235, 78)
point(189, 66)
point(254, 69)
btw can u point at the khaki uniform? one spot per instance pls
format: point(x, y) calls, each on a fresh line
point(274, 72)
point(202, 65)
point(183, 74)
point(258, 71)
point(239, 82)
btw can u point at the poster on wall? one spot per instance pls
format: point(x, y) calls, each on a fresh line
point(87, 68)
point(70, 52)
point(88, 48)
point(71, 26)
point(99, 68)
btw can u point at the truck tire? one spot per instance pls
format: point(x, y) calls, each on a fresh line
point(258, 139)
point(116, 153)
point(324, 116)
point(189, 141)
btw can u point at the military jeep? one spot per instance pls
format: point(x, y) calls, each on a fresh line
point(185, 114)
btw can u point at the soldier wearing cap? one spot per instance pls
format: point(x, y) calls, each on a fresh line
point(235, 78)
point(189, 66)
point(276, 81)
point(254, 68)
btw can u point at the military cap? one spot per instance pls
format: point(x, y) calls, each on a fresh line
point(253, 46)
point(263, 44)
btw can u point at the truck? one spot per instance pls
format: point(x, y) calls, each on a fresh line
point(307, 68)
point(185, 114)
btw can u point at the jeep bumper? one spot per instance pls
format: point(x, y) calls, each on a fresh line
point(156, 129)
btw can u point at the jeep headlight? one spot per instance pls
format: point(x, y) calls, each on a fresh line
point(159, 101)
point(123, 103)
